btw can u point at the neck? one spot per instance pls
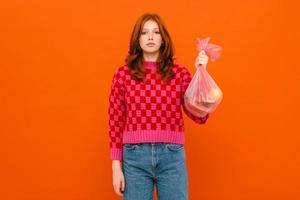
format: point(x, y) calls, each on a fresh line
point(151, 57)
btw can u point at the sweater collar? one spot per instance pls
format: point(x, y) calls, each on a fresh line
point(149, 64)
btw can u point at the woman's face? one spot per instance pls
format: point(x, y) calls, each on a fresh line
point(150, 38)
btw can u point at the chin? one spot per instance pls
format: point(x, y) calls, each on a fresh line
point(151, 51)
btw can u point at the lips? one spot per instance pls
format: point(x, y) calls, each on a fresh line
point(150, 44)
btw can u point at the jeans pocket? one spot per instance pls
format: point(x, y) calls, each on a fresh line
point(130, 146)
point(174, 147)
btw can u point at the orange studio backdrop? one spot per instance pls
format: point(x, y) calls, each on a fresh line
point(57, 63)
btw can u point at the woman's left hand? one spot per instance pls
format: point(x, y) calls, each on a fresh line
point(202, 59)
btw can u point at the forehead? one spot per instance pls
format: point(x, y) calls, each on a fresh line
point(150, 25)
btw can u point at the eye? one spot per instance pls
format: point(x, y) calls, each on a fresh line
point(157, 32)
point(143, 32)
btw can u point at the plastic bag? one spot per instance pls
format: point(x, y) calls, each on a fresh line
point(213, 51)
point(203, 94)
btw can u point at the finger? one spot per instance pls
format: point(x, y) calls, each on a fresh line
point(120, 194)
point(123, 185)
point(117, 190)
point(203, 56)
point(202, 52)
point(202, 60)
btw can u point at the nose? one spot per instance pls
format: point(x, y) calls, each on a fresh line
point(150, 36)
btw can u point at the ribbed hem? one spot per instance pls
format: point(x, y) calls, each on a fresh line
point(141, 136)
point(116, 154)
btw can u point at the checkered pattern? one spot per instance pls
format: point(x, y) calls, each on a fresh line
point(149, 111)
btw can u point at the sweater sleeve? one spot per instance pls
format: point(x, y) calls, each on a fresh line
point(186, 79)
point(117, 116)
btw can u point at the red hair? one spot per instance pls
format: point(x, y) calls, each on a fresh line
point(165, 59)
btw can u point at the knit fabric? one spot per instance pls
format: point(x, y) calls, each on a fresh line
point(148, 111)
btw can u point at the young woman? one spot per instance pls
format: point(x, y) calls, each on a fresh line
point(146, 129)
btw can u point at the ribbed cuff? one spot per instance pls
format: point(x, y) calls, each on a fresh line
point(202, 120)
point(116, 154)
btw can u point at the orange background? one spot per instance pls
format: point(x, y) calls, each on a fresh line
point(57, 62)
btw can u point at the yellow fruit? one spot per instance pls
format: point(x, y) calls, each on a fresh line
point(214, 95)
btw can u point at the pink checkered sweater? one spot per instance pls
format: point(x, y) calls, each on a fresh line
point(147, 111)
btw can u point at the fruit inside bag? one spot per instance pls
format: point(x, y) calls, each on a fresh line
point(203, 94)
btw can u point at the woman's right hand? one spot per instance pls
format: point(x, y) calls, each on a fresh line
point(118, 178)
point(201, 59)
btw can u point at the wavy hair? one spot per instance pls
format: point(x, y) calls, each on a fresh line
point(165, 59)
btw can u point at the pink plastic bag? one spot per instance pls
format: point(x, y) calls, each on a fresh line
point(203, 94)
point(213, 51)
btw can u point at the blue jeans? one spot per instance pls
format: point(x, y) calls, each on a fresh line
point(163, 164)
